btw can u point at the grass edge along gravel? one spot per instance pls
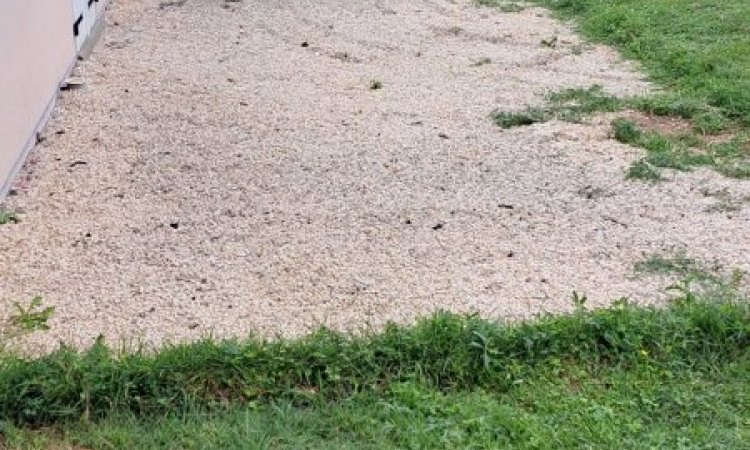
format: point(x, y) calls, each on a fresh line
point(446, 352)
point(698, 54)
point(446, 357)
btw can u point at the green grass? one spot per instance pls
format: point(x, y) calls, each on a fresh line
point(637, 376)
point(529, 116)
point(645, 406)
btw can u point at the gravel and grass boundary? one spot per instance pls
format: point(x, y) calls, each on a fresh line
point(623, 361)
point(699, 56)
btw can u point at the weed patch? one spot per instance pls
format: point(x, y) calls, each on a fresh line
point(509, 119)
point(678, 264)
point(482, 62)
point(680, 152)
point(7, 217)
point(502, 5)
point(32, 317)
point(570, 105)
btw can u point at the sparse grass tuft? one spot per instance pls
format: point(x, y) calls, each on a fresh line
point(574, 103)
point(7, 217)
point(670, 105)
point(678, 264)
point(710, 123)
point(570, 105)
point(375, 85)
point(681, 152)
point(725, 206)
point(511, 7)
point(642, 170)
point(737, 170)
point(482, 62)
point(725, 201)
point(550, 42)
point(591, 193)
point(508, 119)
point(626, 131)
point(504, 6)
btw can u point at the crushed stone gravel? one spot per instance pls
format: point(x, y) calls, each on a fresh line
point(230, 169)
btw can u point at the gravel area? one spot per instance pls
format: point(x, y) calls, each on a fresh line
point(229, 169)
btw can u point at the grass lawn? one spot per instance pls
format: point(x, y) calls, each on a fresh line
point(622, 377)
point(572, 407)
point(560, 406)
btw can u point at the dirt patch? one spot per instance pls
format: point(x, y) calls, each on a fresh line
point(228, 171)
point(667, 125)
point(676, 126)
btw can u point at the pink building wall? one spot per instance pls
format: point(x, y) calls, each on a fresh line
point(37, 50)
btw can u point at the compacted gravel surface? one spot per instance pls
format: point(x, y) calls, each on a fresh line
point(272, 166)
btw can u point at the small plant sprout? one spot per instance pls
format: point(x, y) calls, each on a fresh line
point(32, 317)
point(579, 301)
point(7, 217)
point(482, 62)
